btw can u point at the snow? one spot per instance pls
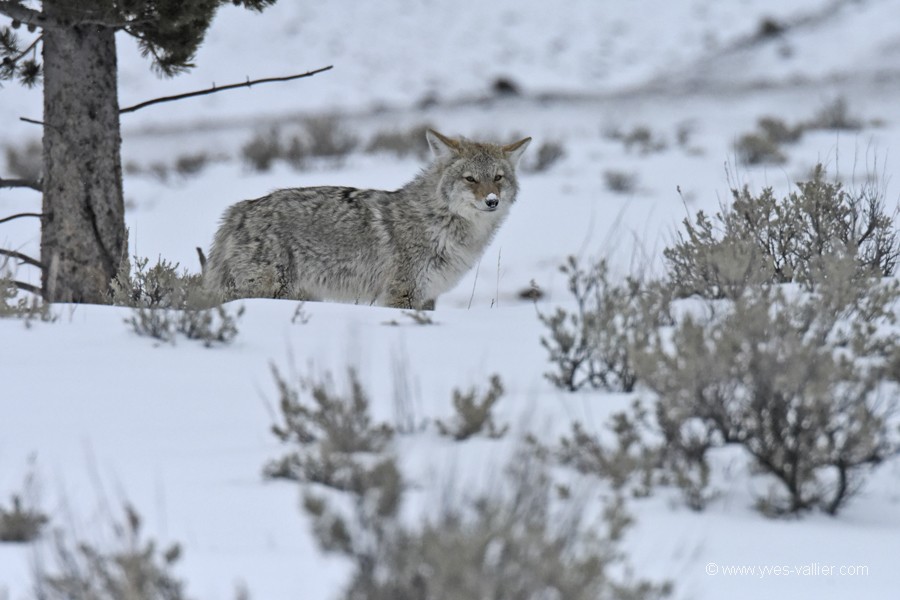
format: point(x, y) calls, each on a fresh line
point(182, 431)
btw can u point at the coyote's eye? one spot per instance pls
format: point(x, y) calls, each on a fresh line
point(470, 179)
point(498, 177)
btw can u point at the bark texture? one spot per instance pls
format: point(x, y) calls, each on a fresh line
point(83, 227)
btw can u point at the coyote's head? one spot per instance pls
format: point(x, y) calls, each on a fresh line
point(475, 176)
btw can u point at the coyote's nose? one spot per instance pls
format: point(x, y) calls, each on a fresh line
point(492, 200)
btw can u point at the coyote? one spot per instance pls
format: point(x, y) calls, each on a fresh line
point(401, 249)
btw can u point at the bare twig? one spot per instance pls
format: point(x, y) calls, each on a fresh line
point(28, 49)
point(26, 287)
point(34, 122)
point(215, 89)
point(20, 216)
point(20, 183)
point(23, 257)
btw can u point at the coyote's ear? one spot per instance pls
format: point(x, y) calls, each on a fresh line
point(514, 151)
point(441, 145)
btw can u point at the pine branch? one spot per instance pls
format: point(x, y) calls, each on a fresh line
point(23, 257)
point(110, 23)
point(215, 89)
point(20, 216)
point(14, 10)
point(20, 183)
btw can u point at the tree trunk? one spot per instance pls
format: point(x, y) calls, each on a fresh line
point(83, 237)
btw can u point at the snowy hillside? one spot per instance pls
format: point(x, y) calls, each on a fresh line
point(101, 416)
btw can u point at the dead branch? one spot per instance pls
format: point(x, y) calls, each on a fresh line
point(23, 257)
point(30, 47)
point(36, 122)
point(20, 183)
point(20, 216)
point(215, 89)
point(27, 287)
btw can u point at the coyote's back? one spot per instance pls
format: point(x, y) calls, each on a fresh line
point(402, 248)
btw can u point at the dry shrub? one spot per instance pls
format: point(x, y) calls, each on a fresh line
point(793, 378)
point(520, 541)
point(401, 142)
point(547, 155)
point(166, 303)
point(326, 429)
point(14, 305)
point(319, 137)
point(758, 149)
point(20, 523)
point(593, 345)
point(474, 415)
point(761, 239)
point(134, 570)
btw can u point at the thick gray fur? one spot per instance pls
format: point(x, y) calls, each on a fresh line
point(402, 248)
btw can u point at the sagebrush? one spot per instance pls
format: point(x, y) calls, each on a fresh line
point(793, 377)
point(524, 541)
point(521, 542)
point(14, 305)
point(134, 569)
point(323, 137)
point(633, 463)
point(474, 415)
point(766, 144)
point(324, 429)
point(20, 523)
point(401, 142)
point(593, 345)
point(760, 239)
point(166, 303)
point(791, 356)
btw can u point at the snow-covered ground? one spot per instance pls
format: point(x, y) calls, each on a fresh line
point(182, 431)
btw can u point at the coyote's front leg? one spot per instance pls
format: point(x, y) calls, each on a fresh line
point(403, 294)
